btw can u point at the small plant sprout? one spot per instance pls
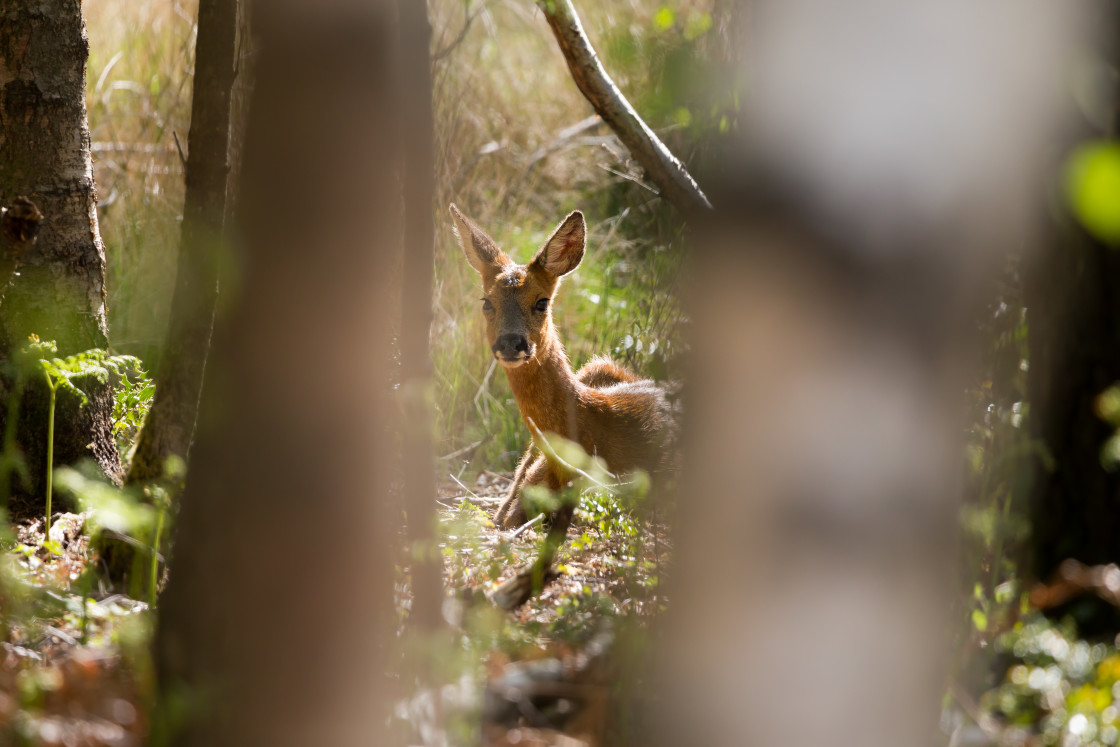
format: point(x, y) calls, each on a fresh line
point(59, 374)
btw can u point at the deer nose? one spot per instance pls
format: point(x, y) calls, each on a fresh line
point(511, 345)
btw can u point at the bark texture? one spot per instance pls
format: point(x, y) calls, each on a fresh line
point(666, 171)
point(418, 136)
point(59, 291)
point(296, 419)
point(170, 423)
point(1072, 297)
point(19, 225)
point(45, 156)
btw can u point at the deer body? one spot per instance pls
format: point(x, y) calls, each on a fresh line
point(606, 409)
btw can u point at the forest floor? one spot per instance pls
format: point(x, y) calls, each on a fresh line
point(75, 667)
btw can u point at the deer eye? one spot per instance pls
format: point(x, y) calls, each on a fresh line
point(542, 305)
point(486, 305)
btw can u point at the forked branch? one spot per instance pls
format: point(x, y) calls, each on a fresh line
point(663, 168)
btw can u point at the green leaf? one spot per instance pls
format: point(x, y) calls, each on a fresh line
point(979, 620)
point(1092, 180)
point(698, 24)
point(664, 18)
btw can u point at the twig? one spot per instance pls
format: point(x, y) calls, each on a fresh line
point(526, 526)
point(450, 46)
point(562, 138)
point(464, 487)
point(179, 147)
point(557, 461)
point(61, 635)
point(483, 391)
point(464, 450)
point(1075, 578)
point(627, 177)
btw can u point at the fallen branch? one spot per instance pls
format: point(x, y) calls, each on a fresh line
point(527, 526)
point(663, 168)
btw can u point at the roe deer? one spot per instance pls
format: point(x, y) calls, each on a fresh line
point(606, 409)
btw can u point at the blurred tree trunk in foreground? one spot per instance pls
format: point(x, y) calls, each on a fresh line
point(418, 174)
point(170, 423)
point(276, 622)
point(59, 293)
point(1075, 355)
point(865, 205)
point(1071, 293)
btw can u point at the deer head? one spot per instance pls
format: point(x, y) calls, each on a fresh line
point(517, 299)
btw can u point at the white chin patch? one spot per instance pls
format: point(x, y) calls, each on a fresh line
point(512, 364)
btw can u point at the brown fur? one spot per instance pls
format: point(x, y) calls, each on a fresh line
point(608, 410)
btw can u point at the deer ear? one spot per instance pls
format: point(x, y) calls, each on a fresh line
point(563, 251)
point(483, 254)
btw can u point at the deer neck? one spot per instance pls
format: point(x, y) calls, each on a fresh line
point(546, 389)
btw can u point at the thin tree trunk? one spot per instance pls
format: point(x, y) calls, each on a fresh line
point(666, 171)
point(416, 309)
point(277, 620)
point(44, 155)
point(170, 424)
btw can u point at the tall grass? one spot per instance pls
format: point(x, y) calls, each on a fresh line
point(138, 98)
point(502, 96)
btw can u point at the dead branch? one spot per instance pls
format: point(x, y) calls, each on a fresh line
point(1074, 579)
point(451, 45)
point(664, 169)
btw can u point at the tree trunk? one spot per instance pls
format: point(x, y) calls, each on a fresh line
point(418, 136)
point(170, 423)
point(276, 623)
point(830, 315)
point(59, 293)
point(44, 155)
point(1071, 295)
point(19, 225)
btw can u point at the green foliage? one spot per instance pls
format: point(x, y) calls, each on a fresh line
point(117, 509)
point(1108, 408)
point(60, 373)
point(1065, 689)
point(100, 364)
point(1092, 181)
point(133, 398)
point(138, 95)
